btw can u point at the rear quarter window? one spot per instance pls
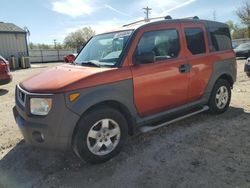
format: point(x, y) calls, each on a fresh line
point(195, 40)
point(220, 39)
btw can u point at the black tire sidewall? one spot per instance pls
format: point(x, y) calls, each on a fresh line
point(85, 124)
point(212, 104)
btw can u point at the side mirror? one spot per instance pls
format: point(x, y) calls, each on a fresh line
point(144, 58)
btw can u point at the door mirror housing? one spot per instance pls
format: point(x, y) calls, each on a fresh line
point(144, 58)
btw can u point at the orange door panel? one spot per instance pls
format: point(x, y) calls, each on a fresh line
point(199, 77)
point(201, 65)
point(160, 85)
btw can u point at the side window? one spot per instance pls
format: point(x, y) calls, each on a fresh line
point(163, 43)
point(220, 39)
point(195, 40)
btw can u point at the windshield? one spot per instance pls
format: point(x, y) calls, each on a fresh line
point(104, 49)
point(243, 46)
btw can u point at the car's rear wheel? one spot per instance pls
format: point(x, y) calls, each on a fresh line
point(248, 74)
point(220, 97)
point(100, 135)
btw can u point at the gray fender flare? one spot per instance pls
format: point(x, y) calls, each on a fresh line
point(121, 92)
point(226, 67)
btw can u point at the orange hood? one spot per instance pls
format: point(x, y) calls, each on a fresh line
point(70, 77)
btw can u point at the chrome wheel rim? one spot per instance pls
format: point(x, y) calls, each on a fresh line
point(221, 97)
point(103, 137)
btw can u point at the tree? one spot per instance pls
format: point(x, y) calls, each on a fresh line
point(31, 45)
point(236, 31)
point(232, 26)
point(59, 46)
point(44, 46)
point(244, 15)
point(240, 33)
point(39, 46)
point(78, 38)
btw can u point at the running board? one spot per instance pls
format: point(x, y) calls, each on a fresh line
point(148, 128)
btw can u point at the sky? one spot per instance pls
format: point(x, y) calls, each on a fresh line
point(54, 19)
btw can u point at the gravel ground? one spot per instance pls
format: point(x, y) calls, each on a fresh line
point(201, 151)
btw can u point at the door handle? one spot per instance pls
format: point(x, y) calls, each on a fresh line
point(184, 68)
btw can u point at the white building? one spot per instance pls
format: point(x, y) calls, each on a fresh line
point(13, 41)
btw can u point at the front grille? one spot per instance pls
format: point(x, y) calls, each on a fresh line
point(21, 96)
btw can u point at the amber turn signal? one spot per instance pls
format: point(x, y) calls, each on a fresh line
point(73, 96)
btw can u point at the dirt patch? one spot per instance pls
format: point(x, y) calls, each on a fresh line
point(9, 133)
point(201, 151)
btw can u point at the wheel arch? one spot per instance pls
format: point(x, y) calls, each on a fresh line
point(113, 104)
point(228, 78)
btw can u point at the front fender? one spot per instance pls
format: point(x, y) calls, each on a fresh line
point(121, 91)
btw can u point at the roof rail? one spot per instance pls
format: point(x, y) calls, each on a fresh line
point(168, 17)
point(133, 23)
point(194, 17)
point(144, 20)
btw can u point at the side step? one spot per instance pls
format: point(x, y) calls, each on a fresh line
point(148, 128)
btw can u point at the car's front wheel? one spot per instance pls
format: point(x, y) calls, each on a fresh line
point(100, 135)
point(220, 97)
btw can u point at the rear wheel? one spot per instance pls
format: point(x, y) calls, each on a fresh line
point(248, 74)
point(100, 135)
point(220, 97)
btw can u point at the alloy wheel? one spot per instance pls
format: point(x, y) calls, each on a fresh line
point(103, 137)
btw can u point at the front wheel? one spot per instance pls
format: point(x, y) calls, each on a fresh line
point(100, 135)
point(220, 97)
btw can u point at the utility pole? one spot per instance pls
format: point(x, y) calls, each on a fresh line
point(147, 12)
point(55, 43)
point(214, 15)
point(27, 34)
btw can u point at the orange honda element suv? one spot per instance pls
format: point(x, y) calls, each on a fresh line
point(137, 78)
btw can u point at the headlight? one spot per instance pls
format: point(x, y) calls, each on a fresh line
point(248, 61)
point(40, 106)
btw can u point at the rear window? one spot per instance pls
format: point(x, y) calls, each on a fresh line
point(195, 40)
point(220, 39)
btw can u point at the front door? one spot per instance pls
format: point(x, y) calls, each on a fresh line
point(163, 83)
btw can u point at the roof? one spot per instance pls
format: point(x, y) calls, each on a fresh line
point(10, 28)
point(208, 23)
point(142, 23)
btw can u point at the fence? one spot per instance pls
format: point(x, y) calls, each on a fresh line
point(43, 55)
point(240, 41)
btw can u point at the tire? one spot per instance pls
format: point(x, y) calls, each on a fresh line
point(220, 97)
point(100, 135)
point(248, 74)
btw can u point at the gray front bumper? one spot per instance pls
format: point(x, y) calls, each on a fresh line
point(55, 129)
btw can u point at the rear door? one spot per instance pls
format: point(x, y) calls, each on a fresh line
point(197, 54)
point(161, 84)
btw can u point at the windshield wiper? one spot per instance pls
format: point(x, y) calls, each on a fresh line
point(90, 63)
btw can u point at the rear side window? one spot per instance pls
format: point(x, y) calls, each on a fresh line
point(220, 39)
point(164, 43)
point(195, 40)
